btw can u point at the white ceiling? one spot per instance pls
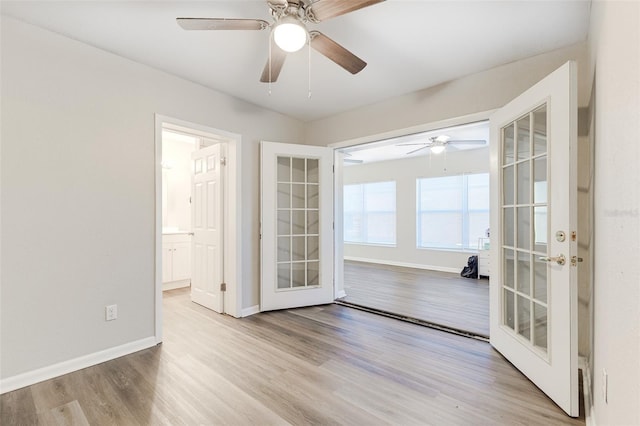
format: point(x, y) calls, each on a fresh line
point(408, 45)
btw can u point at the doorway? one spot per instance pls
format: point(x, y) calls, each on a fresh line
point(181, 222)
point(415, 209)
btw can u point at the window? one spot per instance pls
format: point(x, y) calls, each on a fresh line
point(370, 213)
point(453, 211)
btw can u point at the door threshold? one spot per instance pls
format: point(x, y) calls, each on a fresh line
point(417, 321)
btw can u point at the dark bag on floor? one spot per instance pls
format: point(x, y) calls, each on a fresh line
point(471, 270)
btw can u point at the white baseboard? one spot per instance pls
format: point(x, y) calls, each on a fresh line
point(45, 373)
point(589, 415)
point(405, 264)
point(172, 285)
point(250, 310)
point(341, 294)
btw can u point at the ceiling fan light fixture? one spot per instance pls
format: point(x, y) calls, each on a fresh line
point(290, 34)
point(437, 148)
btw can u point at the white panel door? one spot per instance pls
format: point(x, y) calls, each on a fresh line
point(296, 226)
point(206, 212)
point(533, 287)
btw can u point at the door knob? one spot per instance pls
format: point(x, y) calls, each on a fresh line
point(560, 259)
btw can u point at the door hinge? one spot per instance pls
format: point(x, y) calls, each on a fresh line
point(223, 161)
point(333, 168)
point(574, 236)
point(223, 286)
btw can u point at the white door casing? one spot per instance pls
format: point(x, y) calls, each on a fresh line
point(296, 226)
point(533, 197)
point(207, 226)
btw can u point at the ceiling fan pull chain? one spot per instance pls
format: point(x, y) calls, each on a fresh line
point(270, 42)
point(309, 63)
point(445, 162)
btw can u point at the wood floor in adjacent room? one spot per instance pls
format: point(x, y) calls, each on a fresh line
point(321, 365)
point(441, 298)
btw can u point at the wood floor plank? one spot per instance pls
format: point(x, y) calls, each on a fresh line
point(100, 401)
point(320, 365)
point(70, 414)
point(432, 296)
point(18, 408)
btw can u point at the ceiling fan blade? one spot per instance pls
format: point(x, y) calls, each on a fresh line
point(419, 149)
point(336, 53)
point(412, 144)
point(348, 160)
point(325, 9)
point(221, 24)
point(468, 141)
point(277, 61)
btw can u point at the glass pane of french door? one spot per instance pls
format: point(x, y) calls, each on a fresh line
point(297, 231)
point(524, 227)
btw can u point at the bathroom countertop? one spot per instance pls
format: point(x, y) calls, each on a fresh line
point(177, 233)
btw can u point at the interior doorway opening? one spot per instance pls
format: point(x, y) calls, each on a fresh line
point(413, 208)
point(197, 216)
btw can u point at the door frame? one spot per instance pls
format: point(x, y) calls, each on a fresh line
point(339, 176)
point(232, 215)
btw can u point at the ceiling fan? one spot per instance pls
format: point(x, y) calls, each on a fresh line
point(289, 31)
point(438, 144)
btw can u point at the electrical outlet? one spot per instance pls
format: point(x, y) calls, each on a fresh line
point(111, 312)
point(605, 385)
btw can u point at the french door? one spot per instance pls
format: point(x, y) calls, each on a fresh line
point(533, 292)
point(296, 226)
point(207, 222)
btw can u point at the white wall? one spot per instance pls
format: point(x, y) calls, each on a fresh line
point(77, 173)
point(405, 172)
point(615, 49)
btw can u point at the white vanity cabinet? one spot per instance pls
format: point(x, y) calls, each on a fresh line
point(176, 260)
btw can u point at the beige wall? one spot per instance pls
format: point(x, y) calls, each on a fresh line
point(615, 51)
point(78, 208)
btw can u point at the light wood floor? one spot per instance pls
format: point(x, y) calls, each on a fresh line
point(436, 297)
point(321, 365)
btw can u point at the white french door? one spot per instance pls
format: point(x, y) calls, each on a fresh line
point(207, 222)
point(533, 292)
point(296, 226)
